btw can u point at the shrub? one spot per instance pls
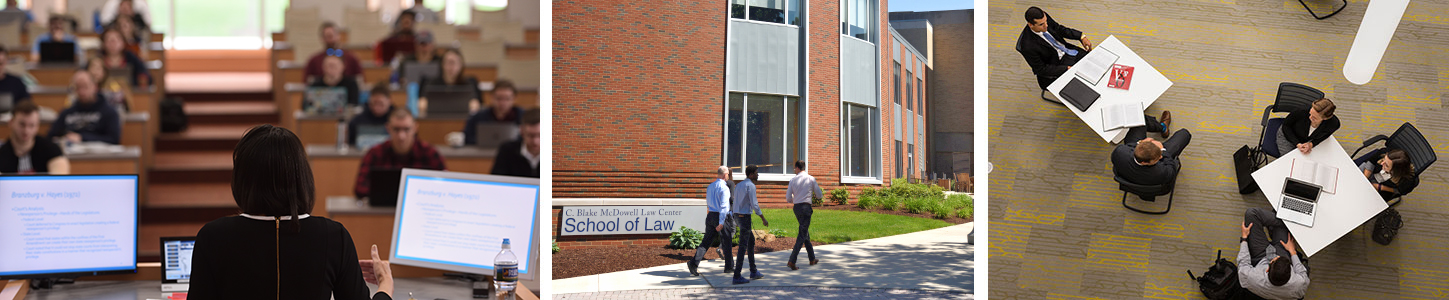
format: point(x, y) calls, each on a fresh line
point(840, 196)
point(891, 202)
point(685, 238)
point(869, 192)
point(555, 246)
point(777, 232)
point(920, 205)
point(965, 213)
point(941, 210)
point(958, 201)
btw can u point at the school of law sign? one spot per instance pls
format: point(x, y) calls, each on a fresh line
point(607, 220)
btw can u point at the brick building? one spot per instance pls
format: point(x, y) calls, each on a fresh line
point(651, 96)
point(946, 38)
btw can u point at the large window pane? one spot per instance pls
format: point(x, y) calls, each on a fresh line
point(734, 128)
point(765, 133)
point(860, 141)
point(898, 83)
point(276, 11)
point(910, 97)
point(737, 9)
point(794, 14)
point(772, 11)
point(792, 134)
point(899, 172)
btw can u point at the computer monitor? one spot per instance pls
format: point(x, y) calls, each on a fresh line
point(370, 135)
point(382, 186)
point(457, 221)
point(57, 52)
point(176, 262)
point(67, 225)
point(449, 101)
point(415, 72)
point(324, 101)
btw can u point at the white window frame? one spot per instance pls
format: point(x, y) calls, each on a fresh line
point(804, 138)
point(730, 15)
point(871, 32)
point(846, 146)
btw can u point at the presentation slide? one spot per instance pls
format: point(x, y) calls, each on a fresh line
point(178, 260)
point(60, 224)
point(462, 222)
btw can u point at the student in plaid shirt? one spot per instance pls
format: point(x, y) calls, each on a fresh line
point(401, 150)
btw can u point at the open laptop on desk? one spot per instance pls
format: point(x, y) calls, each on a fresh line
point(369, 136)
point(7, 102)
point(415, 72)
point(1300, 201)
point(383, 186)
point(495, 134)
point(176, 263)
point(324, 101)
point(57, 52)
point(449, 101)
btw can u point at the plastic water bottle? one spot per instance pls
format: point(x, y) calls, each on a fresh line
point(505, 267)
point(342, 135)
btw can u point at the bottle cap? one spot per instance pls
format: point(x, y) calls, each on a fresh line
point(505, 241)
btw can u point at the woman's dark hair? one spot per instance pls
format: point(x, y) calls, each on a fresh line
point(271, 176)
point(109, 30)
point(1402, 167)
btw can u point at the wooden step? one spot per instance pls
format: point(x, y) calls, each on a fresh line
point(203, 137)
point(192, 167)
point(190, 195)
point(232, 112)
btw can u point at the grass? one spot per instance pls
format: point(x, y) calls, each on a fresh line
point(836, 226)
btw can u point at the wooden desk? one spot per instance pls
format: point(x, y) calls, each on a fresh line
point(133, 132)
point(334, 172)
point(49, 74)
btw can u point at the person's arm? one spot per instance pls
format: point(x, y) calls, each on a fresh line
point(107, 130)
point(754, 201)
point(57, 128)
point(1290, 126)
point(470, 130)
point(1405, 185)
point(59, 166)
point(1245, 258)
point(205, 282)
point(361, 186)
point(1062, 31)
point(1040, 67)
point(724, 211)
point(1325, 130)
point(442, 165)
point(348, 282)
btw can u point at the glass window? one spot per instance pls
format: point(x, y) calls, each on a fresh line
point(863, 152)
point(920, 96)
point(794, 12)
point(909, 95)
point(773, 11)
point(899, 172)
point(898, 83)
point(737, 9)
point(856, 19)
point(910, 161)
point(766, 128)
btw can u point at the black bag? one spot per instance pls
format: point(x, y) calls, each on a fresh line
point(173, 115)
point(1220, 282)
point(1244, 162)
point(1387, 226)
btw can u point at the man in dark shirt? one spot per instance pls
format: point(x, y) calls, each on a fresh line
point(25, 152)
point(520, 157)
point(1146, 161)
point(402, 34)
point(379, 107)
point(402, 150)
point(11, 84)
point(1043, 43)
point(333, 43)
point(88, 119)
point(500, 110)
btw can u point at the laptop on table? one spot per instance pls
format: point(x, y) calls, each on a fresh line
point(370, 135)
point(324, 101)
point(383, 186)
point(7, 102)
point(495, 134)
point(57, 52)
point(176, 263)
point(449, 101)
point(1300, 201)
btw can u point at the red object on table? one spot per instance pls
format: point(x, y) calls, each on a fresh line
point(1120, 76)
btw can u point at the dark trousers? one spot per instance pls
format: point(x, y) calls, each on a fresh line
point(1174, 144)
point(1258, 241)
point(802, 215)
point(710, 234)
point(747, 243)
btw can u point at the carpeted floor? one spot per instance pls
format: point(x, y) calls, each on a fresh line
point(1057, 228)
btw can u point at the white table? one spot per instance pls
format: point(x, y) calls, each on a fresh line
point(1147, 84)
point(1380, 21)
point(1354, 203)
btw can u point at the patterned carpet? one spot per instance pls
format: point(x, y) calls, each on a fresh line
point(1057, 228)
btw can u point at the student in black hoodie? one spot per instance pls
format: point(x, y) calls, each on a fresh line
point(379, 106)
point(87, 119)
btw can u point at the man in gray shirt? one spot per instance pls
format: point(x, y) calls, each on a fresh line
point(745, 203)
point(1261, 267)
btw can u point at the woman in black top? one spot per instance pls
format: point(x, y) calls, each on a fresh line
point(115, 56)
point(1391, 173)
point(274, 249)
point(452, 77)
point(1304, 129)
point(332, 76)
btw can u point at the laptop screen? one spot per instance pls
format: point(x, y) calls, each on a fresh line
point(176, 255)
point(1301, 190)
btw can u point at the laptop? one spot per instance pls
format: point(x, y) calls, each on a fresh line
point(491, 136)
point(416, 72)
point(447, 101)
point(1300, 201)
point(57, 52)
point(370, 135)
point(7, 102)
point(176, 263)
point(383, 186)
point(324, 101)
point(1079, 94)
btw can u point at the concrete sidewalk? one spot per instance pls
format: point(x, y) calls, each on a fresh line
point(938, 259)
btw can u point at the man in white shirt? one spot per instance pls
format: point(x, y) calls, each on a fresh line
point(1043, 43)
point(801, 191)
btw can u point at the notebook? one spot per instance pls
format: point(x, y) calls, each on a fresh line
point(1122, 116)
point(1316, 173)
point(1095, 65)
point(1079, 94)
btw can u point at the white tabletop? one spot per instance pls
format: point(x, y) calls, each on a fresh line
point(1354, 203)
point(1380, 21)
point(1147, 84)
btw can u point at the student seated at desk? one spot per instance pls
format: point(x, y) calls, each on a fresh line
point(423, 13)
point(402, 34)
point(1304, 129)
point(424, 54)
point(25, 152)
point(88, 119)
point(113, 92)
point(1262, 266)
point(134, 10)
point(501, 110)
point(56, 33)
point(333, 43)
point(1391, 173)
point(520, 157)
point(333, 76)
point(379, 107)
point(403, 149)
point(275, 247)
point(1146, 161)
point(133, 35)
point(452, 77)
point(10, 83)
point(1043, 43)
point(115, 56)
point(19, 15)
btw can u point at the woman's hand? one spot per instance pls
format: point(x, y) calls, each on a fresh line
point(1305, 147)
point(377, 271)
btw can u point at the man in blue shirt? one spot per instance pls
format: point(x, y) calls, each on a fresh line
point(718, 199)
point(745, 203)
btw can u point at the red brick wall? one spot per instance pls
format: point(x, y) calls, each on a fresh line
point(823, 92)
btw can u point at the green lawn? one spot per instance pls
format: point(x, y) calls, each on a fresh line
point(835, 226)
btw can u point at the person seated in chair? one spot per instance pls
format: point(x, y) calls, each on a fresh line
point(1146, 161)
point(1262, 266)
point(1043, 43)
point(1304, 129)
point(1391, 173)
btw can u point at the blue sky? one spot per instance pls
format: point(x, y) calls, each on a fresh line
point(929, 5)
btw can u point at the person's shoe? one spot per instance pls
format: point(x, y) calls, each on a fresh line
point(814, 261)
point(741, 280)
point(792, 266)
point(693, 268)
point(756, 275)
point(728, 269)
point(1166, 120)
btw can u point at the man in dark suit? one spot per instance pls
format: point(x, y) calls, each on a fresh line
point(521, 157)
point(1146, 161)
point(1043, 43)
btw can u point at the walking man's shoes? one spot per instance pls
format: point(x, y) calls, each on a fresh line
point(693, 268)
point(814, 261)
point(741, 280)
point(792, 266)
point(756, 275)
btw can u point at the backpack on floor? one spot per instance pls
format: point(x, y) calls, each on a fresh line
point(173, 115)
point(1387, 226)
point(1220, 282)
point(1244, 163)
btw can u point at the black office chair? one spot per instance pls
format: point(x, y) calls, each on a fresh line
point(1315, 15)
point(1148, 193)
point(1407, 138)
point(1291, 97)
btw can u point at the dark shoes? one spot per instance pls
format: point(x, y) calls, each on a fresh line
point(814, 261)
point(741, 280)
point(693, 268)
point(792, 266)
point(756, 275)
point(728, 269)
point(1166, 120)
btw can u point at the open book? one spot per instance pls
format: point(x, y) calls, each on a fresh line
point(1095, 65)
point(1122, 115)
point(1316, 173)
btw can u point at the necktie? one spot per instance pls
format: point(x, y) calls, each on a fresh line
point(1053, 41)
